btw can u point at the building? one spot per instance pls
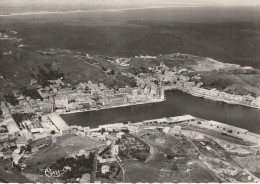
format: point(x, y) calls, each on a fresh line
point(61, 101)
point(221, 127)
point(85, 178)
point(106, 160)
point(171, 120)
point(12, 126)
point(37, 130)
point(119, 99)
point(119, 135)
point(79, 133)
point(176, 130)
point(59, 123)
point(115, 149)
point(105, 169)
point(111, 127)
point(4, 137)
point(27, 135)
point(133, 129)
point(21, 141)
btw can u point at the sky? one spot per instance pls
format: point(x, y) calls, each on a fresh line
point(147, 2)
point(27, 6)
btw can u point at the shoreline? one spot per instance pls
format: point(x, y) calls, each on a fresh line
point(213, 98)
point(114, 106)
point(168, 88)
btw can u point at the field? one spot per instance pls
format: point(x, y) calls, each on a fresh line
point(188, 157)
point(9, 174)
point(172, 159)
point(64, 146)
point(252, 163)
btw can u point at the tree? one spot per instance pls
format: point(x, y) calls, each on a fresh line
point(103, 68)
point(126, 131)
point(142, 68)
point(112, 72)
point(28, 148)
point(140, 156)
point(103, 130)
point(170, 157)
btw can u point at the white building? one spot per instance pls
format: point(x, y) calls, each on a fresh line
point(119, 135)
point(105, 169)
point(85, 178)
point(11, 126)
point(221, 127)
point(115, 149)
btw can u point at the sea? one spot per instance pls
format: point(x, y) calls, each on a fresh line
point(226, 34)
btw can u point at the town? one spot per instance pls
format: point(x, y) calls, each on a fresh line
point(31, 126)
point(122, 152)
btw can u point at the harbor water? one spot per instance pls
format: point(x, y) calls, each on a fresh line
point(177, 103)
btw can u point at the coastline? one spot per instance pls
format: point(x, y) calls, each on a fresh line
point(213, 98)
point(167, 88)
point(115, 106)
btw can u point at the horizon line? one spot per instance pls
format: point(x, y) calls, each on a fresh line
point(113, 9)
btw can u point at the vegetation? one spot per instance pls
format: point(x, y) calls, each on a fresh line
point(31, 92)
point(25, 148)
point(112, 72)
point(43, 75)
point(132, 83)
point(140, 151)
point(113, 171)
point(79, 166)
point(9, 98)
point(3, 129)
point(103, 68)
point(140, 155)
point(126, 131)
point(20, 117)
point(143, 69)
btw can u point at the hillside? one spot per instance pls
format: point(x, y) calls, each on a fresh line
point(25, 63)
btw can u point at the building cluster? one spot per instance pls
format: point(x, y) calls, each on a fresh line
point(109, 132)
point(107, 164)
point(217, 95)
point(18, 134)
point(91, 96)
point(130, 146)
point(170, 120)
point(3, 35)
point(122, 61)
point(34, 117)
point(170, 78)
point(173, 78)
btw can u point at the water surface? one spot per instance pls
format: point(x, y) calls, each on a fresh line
point(227, 34)
point(177, 103)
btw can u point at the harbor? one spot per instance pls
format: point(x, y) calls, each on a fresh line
point(176, 103)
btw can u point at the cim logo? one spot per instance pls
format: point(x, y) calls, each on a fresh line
point(53, 173)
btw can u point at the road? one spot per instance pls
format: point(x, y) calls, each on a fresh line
point(123, 170)
point(93, 174)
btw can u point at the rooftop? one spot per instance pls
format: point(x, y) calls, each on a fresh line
point(228, 126)
point(58, 121)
